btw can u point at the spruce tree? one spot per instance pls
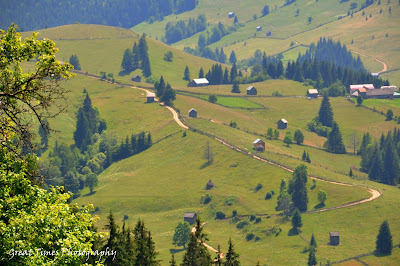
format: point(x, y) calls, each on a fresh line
point(127, 61)
point(172, 262)
point(169, 95)
point(144, 246)
point(113, 242)
point(73, 60)
point(186, 74)
point(160, 87)
point(335, 142)
point(144, 56)
point(231, 258)
point(384, 243)
point(325, 114)
point(308, 160)
point(298, 189)
point(312, 260)
point(376, 171)
point(135, 56)
point(296, 219)
point(196, 253)
point(201, 73)
point(313, 242)
point(232, 57)
point(233, 73)
point(391, 163)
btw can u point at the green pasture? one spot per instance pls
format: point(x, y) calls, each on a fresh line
point(384, 105)
point(233, 102)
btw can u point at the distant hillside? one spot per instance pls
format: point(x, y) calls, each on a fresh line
point(33, 15)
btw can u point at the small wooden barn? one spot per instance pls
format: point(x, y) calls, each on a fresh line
point(312, 93)
point(259, 28)
point(200, 82)
point(269, 33)
point(193, 113)
point(251, 90)
point(136, 78)
point(150, 97)
point(259, 145)
point(282, 123)
point(190, 217)
point(334, 238)
point(209, 185)
point(231, 14)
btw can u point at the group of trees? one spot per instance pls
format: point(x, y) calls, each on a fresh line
point(73, 60)
point(120, 13)
point(216, 75)
point(138, 57)
point(381, 159)
point(175, 32)
point(217, 55)
point(165, 92)
point(324, 125)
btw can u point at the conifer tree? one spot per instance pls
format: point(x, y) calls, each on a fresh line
point(232, 58)
point(313, 242)
point(282, 186)
point(298, 137)
point(312, 260)
point(325, 115)
point(160, 87)
point(172, 262)
point(196, 253)
point(169, 95)
point(73, 60)
point(376, 171)
point(235, 87)
point(270, 133)
point(113, 242)
point(296, 219)
point(144, 246)
point(384, 243)
point(186, 74)
point(201, 73)
point(308, 160)
point(144, 56)
point(335, 142)
point(351, 172)
point(127, 61)
point(298, 189)
point(233, 73)
point(231, 258)
point(135, 56)
point(391, 163)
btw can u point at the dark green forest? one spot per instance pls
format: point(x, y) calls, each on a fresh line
point(34, 15)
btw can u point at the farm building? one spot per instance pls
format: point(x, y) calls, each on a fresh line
point(200, 82)
point(334, 238)
point(209, 185)
point(385, 93)
point(259, 145)
point(269, 33)
point(259, 28)
point(361, 91)
point(190, 217)
point(376, 75)
point(251, 90)
point(313, 93)
point(150, 97)
point(282, 124)
point(353, 88)
point(192, 113)
point(136, 78)
point(231, 14)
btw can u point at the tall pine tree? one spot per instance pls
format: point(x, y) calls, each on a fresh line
point(335, 143)
point(325, 114)
point(384, 242)
point(231, 258)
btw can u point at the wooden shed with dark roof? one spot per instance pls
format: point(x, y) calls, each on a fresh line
point(334, 238)
point(251, 90)
point(193, 113)
point(259, 145)
point(282, 123)
point(136, 78)
point(210, 185)
point(190, 217)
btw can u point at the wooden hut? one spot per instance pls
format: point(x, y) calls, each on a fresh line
point(251, 90)
point(200, 82)
point(136, 78)
point(231, 14)
point(259, 145)
point(192, 113)
point(150, 97)
point(334, 238)
point(282, 123)
point(312, 93)
point(190, 217)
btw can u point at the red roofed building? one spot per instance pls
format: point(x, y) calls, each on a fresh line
point(354, 88)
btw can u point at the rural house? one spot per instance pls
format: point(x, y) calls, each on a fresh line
point(361, 91)
point(190, 217)
point(282, 124)
point(334, 238)
point(251, 90)
point(312, 93)
point(231, 14)
point(354, 88)
point(259, 145)
point(150, 97)
point(200, 82)
point(136, 78)
point(385, 93)
point(192, 113)
point(259, 28)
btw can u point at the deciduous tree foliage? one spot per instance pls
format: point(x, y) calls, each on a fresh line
point(182, 234)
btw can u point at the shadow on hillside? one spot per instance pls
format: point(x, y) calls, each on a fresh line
point(89, 194)
point(293, 232)
point(176, 250)
point(204, 165)
point(319, 206)
point(123, 73)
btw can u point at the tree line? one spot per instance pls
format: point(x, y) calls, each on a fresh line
point(174, 32)
point(137, 57)
point(333, 52)
point(120, 13)
point(381, 159)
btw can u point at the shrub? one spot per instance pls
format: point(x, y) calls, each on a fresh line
point(249, 236)
point(257, 238)
point(268, 195)
point(234, 213)
point(258, 187)
point(212, 98)
point(230, 200)
point(235, 219)
point(272, 192)
point(242, 224)
point(206, 199)
point(258, 219)
point(126, 217)
point(252, 217)
point(220, 215)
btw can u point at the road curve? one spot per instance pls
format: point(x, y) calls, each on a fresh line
point(376, 59)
